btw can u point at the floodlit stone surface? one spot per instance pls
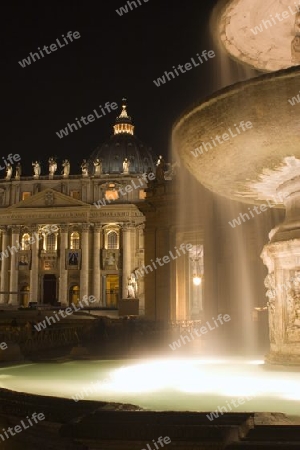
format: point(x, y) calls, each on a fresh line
point(258, 164)
point(260, 33)
point(250, 166)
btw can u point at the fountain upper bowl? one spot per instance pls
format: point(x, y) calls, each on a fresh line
point(250, 165)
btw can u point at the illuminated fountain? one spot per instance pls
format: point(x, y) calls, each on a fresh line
point(256, 157)
point(262, 34)
point(258, 161)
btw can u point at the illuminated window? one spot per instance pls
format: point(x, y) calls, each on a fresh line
point(112, 240)
point(26, 195)
point(25, 241)
point(75, 194)
point(51, 243)
point(75, 240)
point(111, 194)
point(142, 194)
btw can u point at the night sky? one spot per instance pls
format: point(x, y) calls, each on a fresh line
point(115, 56)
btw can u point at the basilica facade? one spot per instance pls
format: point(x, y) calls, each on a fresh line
point(66, 236)
point(125, 228)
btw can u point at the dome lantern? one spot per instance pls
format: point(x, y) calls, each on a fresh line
point(123, 121)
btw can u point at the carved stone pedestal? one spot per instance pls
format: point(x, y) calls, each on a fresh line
point(283, 284)
point(282, 257)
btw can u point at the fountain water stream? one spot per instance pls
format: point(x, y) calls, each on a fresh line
point(260, 164)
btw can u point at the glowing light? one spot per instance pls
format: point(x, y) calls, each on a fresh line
point(197, 280)
point(173, 384)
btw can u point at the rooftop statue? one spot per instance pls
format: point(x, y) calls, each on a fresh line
point(98, 167)
point(18, 171)
point(66, 168)
point(52, 167)
point(36, 170)
point(9, 171)
point(84, 168)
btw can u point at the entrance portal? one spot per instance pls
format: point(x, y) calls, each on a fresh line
point(112, 291)
point(49, 289)
point(74, 294)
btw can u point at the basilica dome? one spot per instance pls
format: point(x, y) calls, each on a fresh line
point(123, 145)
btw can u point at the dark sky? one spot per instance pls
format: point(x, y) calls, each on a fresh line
point(114, 57)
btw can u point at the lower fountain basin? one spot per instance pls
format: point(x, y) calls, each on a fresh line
point(160, 385)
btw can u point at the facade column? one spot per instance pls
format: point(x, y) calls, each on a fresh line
point(140, 262)
point(84, 272)
point(163, 274)
point(4, 267)
point(34, 270)
point(63, 273)
point(14, 272)
point(96, 263)
point(127, 229)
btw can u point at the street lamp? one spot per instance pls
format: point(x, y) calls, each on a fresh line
point(197, 267)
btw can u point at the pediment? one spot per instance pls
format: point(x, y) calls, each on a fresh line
point(49, 198)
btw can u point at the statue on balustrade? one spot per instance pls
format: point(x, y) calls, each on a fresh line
point(9, 171)
point(52, 167)
point(36, 169)
point(66, 168)
point(84, 168)
point(18, 171)
point(98, 167)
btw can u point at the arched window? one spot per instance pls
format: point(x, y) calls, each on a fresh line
point(75, 241)
point(112, 240)
point(25, 241)
point(51, 243)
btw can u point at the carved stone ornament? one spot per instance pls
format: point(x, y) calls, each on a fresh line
point(49, 198)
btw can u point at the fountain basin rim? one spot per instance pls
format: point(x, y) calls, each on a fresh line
point(231, 89)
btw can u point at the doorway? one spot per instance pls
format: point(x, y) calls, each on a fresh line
point(74, 294)
point(112, 291)
point(49, 289)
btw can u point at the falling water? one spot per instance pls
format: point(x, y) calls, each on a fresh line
point(233, 259)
